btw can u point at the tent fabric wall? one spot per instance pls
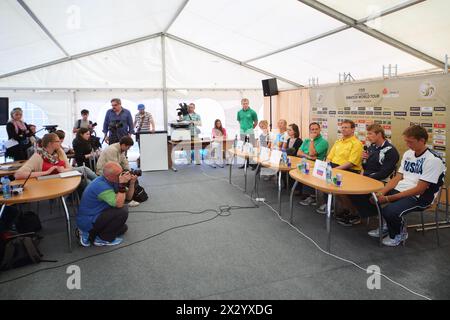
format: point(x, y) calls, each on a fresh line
point(212, 105)
point(133, 66)
point(277, 36)
point(57, 105)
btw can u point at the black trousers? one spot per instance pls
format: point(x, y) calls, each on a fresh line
point(110, 224)
point(8, 217)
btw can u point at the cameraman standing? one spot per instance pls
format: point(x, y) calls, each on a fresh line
point(84, 122)
point(195, 122)
point(118, 123)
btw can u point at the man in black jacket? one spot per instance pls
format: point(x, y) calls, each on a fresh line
point(379, 162)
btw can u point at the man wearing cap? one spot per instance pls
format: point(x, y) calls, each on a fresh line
point(143, 122)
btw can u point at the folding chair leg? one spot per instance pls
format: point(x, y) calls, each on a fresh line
point(436, 216)
point(423, 224)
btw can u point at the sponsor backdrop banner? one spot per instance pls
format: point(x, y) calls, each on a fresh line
point(393, 103)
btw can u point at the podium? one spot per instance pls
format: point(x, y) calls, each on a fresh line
point(154, 151)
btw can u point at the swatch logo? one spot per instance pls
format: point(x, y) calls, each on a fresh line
point(427, 89)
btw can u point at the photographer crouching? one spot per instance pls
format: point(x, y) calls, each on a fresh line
point(117, 153)
point(102, 214)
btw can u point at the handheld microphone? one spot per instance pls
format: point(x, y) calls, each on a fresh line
point(365, 150)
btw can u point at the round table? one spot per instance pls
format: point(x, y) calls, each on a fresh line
point(352, 184)
point(39, 190)
point(9, 172)
point(255, 158)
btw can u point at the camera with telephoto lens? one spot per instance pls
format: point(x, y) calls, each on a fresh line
point(115, 124)
point(94, 125)
point(134, 172)
point(183, 109)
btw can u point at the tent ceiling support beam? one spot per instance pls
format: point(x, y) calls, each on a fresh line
point(217, 54)
point(371, 32)
point(164, 81)
point(343, 28)
point(41, 25)
point(394, 9)
point(320, 36)
point(82, 55)
point(179, 11)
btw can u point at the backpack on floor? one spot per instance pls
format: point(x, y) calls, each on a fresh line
point(19, 250)
point(28, 222)
point(139, 193)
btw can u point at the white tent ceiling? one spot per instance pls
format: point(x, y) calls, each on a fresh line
point(214, 43)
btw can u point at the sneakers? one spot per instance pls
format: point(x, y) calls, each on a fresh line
point(323, 209)
point(84, 238)
point(376, 232)
point(101, 243)
point(396, 241)
point(349, 220)
point(310, 201)
point(133, 203)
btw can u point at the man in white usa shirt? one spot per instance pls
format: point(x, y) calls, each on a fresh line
point(417, 182)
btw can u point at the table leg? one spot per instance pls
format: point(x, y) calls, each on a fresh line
point(380, 218)
point(258, 171)
point(291, 201)
point(3, 209)
point(231, 167)
point(69, 231)
point(279, 192)
point(329, 203)
point(245, 175)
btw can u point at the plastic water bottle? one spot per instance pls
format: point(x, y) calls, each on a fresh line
point(304, 165)
point(329, 173)
point(6, 187)
point(284, 156)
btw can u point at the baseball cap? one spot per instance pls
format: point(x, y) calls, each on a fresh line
point(141, 107)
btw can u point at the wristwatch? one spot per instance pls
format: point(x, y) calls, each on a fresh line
point(379, 194)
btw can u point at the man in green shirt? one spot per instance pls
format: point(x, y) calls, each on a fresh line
point(248, 120)
point(316, 150)
point(312, 151)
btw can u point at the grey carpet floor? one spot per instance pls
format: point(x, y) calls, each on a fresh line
point(248, 254)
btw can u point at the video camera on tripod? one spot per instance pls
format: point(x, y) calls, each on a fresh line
point(183, 109)
point(51, 128)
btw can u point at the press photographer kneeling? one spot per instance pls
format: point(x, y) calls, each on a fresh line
point(117, 153)
point(102, 214)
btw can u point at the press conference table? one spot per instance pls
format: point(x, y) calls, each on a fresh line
point(352, 184)
point(36, 190)
point(9, 172)
point(191, 145)
point(255, 158)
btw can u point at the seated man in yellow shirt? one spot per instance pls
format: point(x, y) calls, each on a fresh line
point(346, 153)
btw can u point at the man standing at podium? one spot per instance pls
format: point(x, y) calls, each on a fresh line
point(195, 122)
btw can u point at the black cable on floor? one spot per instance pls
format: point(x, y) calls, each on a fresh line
point(223, 211)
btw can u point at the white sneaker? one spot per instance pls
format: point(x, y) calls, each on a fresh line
point(396, 241)
point(375, 233)
point(133, 204)
point(323, 209)
point(310, 201)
